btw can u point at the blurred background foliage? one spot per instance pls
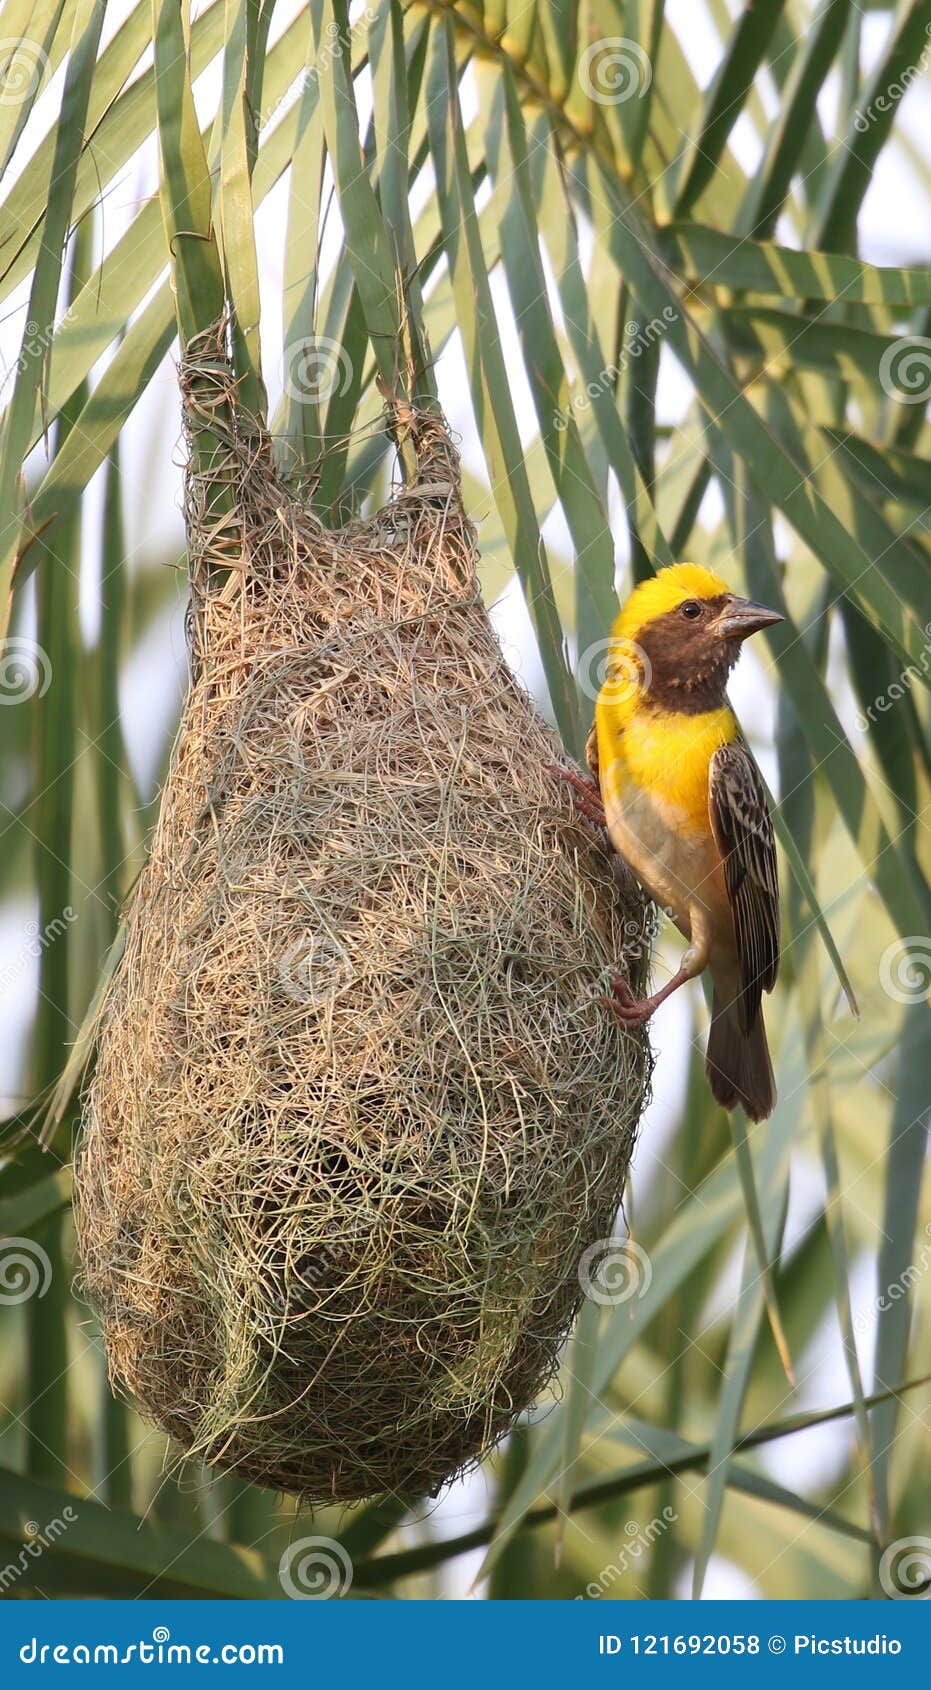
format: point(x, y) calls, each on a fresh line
point(635, 233)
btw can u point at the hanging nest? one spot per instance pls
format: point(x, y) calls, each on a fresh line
point(356, 1111)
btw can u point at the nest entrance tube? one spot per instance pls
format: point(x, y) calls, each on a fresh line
point(356, 1111)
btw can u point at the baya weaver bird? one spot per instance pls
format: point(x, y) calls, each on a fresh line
point(684, 804)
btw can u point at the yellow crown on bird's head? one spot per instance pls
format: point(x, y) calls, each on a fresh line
point(663, 592)
point(628, 671)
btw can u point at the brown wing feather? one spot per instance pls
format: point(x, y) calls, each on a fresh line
point(742, 826)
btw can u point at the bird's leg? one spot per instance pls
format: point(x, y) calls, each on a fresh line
point(634, 1012)
point(588, 797)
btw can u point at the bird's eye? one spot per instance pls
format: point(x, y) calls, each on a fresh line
point(691, 608)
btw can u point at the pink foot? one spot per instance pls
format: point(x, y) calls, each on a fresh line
point(588, 797)
point(630, 1011)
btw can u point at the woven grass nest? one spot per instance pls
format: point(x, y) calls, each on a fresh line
point(356, 1111)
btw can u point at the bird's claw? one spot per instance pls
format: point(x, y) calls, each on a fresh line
point(630, 1011)
point(587, 795)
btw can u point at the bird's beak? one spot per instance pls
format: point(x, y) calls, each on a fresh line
point(741, 617)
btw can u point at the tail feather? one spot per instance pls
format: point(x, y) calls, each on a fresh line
point(737, 1062)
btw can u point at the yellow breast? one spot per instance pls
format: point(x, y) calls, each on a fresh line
point(665, 754)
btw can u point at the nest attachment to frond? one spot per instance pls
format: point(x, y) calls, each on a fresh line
point(356, 1110)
